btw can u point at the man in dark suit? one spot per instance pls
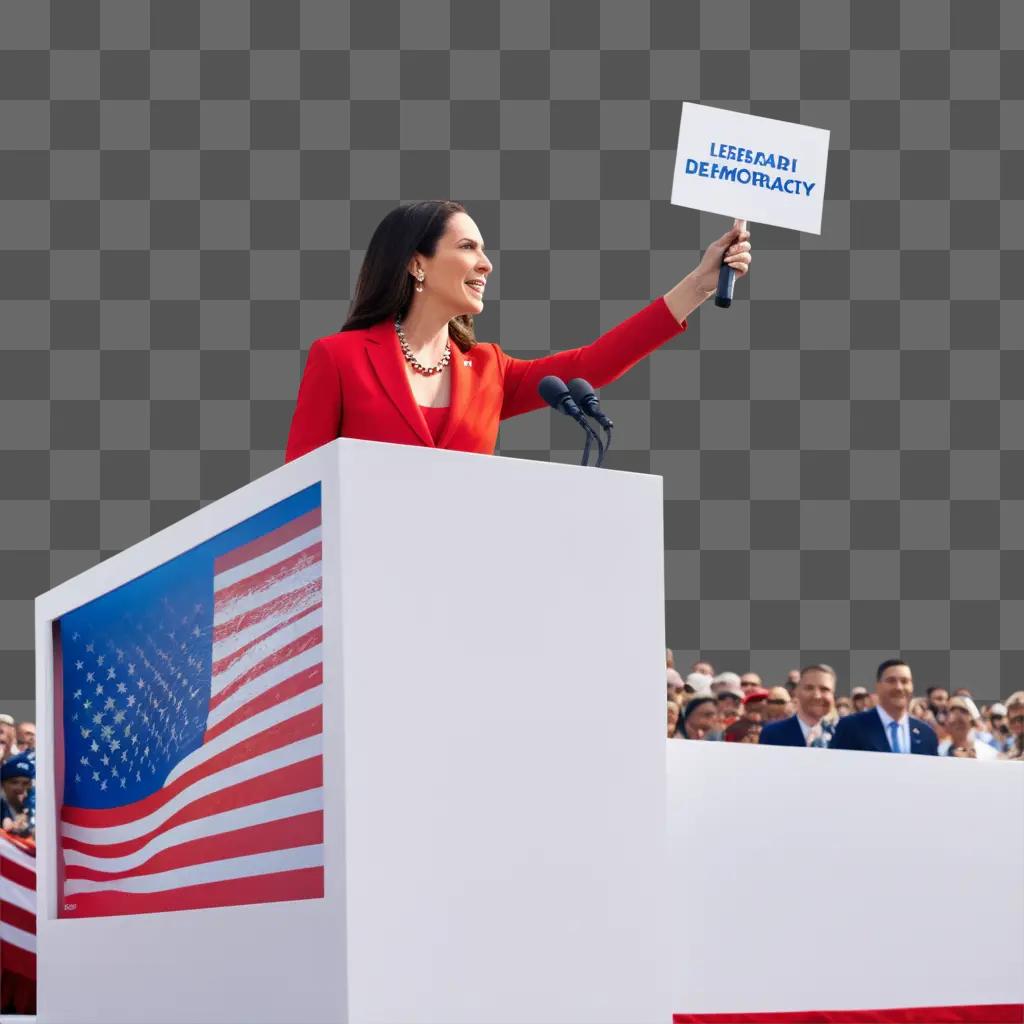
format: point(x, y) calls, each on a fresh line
point(888, 727)
point(814, 694)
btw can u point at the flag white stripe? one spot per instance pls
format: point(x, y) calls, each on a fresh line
point(279, 554)
point(212, 871)
point(236, 641)
point(16, 937)
point(284, 636)
point(294, 584)
point(254, 768)
point(18, 895)
point(278, 809)
point(248, 727)
point(263, 682)
point(17, 856)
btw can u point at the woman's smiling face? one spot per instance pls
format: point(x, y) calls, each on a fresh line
point(455, 276)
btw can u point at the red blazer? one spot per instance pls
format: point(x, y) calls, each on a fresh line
point(354, 384)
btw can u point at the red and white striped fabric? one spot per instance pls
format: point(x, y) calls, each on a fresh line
point(17, 924)
point(247, 804)
point(981, 1013)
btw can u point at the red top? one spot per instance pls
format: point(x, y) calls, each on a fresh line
point(354, 384)
point(436, 417)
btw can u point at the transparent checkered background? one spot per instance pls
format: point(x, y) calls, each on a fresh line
point(186, 190)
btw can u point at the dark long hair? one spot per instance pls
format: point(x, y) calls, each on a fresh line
point(384, 288)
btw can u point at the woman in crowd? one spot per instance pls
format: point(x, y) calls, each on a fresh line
point(673, 719)
point(1015, 720)
point(962, 719)
point(1002, 738)
point(700, 718)
point(406, 366)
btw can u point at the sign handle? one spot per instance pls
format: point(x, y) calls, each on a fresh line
point(727, 280)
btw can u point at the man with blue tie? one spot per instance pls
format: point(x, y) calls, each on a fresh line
point(814, 695)
point(888, 727)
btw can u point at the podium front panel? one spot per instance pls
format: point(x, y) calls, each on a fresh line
point(504, 719)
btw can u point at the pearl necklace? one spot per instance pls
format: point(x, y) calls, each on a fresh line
point(427, 371)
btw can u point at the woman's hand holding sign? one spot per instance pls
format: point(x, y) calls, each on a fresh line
point(732, 250)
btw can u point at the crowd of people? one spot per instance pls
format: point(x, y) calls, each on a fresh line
point(17, 776)
point(805, 710)
point(808, 711)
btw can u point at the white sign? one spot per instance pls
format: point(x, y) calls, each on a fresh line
point(754, 168)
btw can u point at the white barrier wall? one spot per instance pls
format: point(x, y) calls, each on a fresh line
point(817, 879)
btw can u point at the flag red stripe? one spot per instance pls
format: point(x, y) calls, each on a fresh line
point(281, 655)
point(228, 660)
point(269, 576)
point(18, 917)
point(296, 778)
point(17, 874)
point(299, 830)
point(298, 727)
point(264, 611)
point(261, 545)
point(288, 688)
point(17, 960)
point(281, 886)
point(994, 1013)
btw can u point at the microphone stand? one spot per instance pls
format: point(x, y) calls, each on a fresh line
point(591, 436)
point(607, 444)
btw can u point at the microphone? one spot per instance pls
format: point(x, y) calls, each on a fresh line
point(556, 394)
point(586, 399)
point(727, 278)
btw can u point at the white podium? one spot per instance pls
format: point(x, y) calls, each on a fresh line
point(493, 785)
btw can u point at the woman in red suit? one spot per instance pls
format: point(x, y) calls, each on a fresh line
point(406, 367)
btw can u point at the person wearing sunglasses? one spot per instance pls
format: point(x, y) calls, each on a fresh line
point(962, 718)
point(1015, 721)
point(778, 706)
point(1002, 738)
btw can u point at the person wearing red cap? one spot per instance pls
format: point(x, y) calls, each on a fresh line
point(743, 730)
point(754, 701)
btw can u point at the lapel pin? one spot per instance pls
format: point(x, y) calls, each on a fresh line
point(467, 362)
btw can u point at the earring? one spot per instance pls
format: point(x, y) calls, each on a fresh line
point(419, 281)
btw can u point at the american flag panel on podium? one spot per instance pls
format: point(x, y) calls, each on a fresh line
point(190, 701)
